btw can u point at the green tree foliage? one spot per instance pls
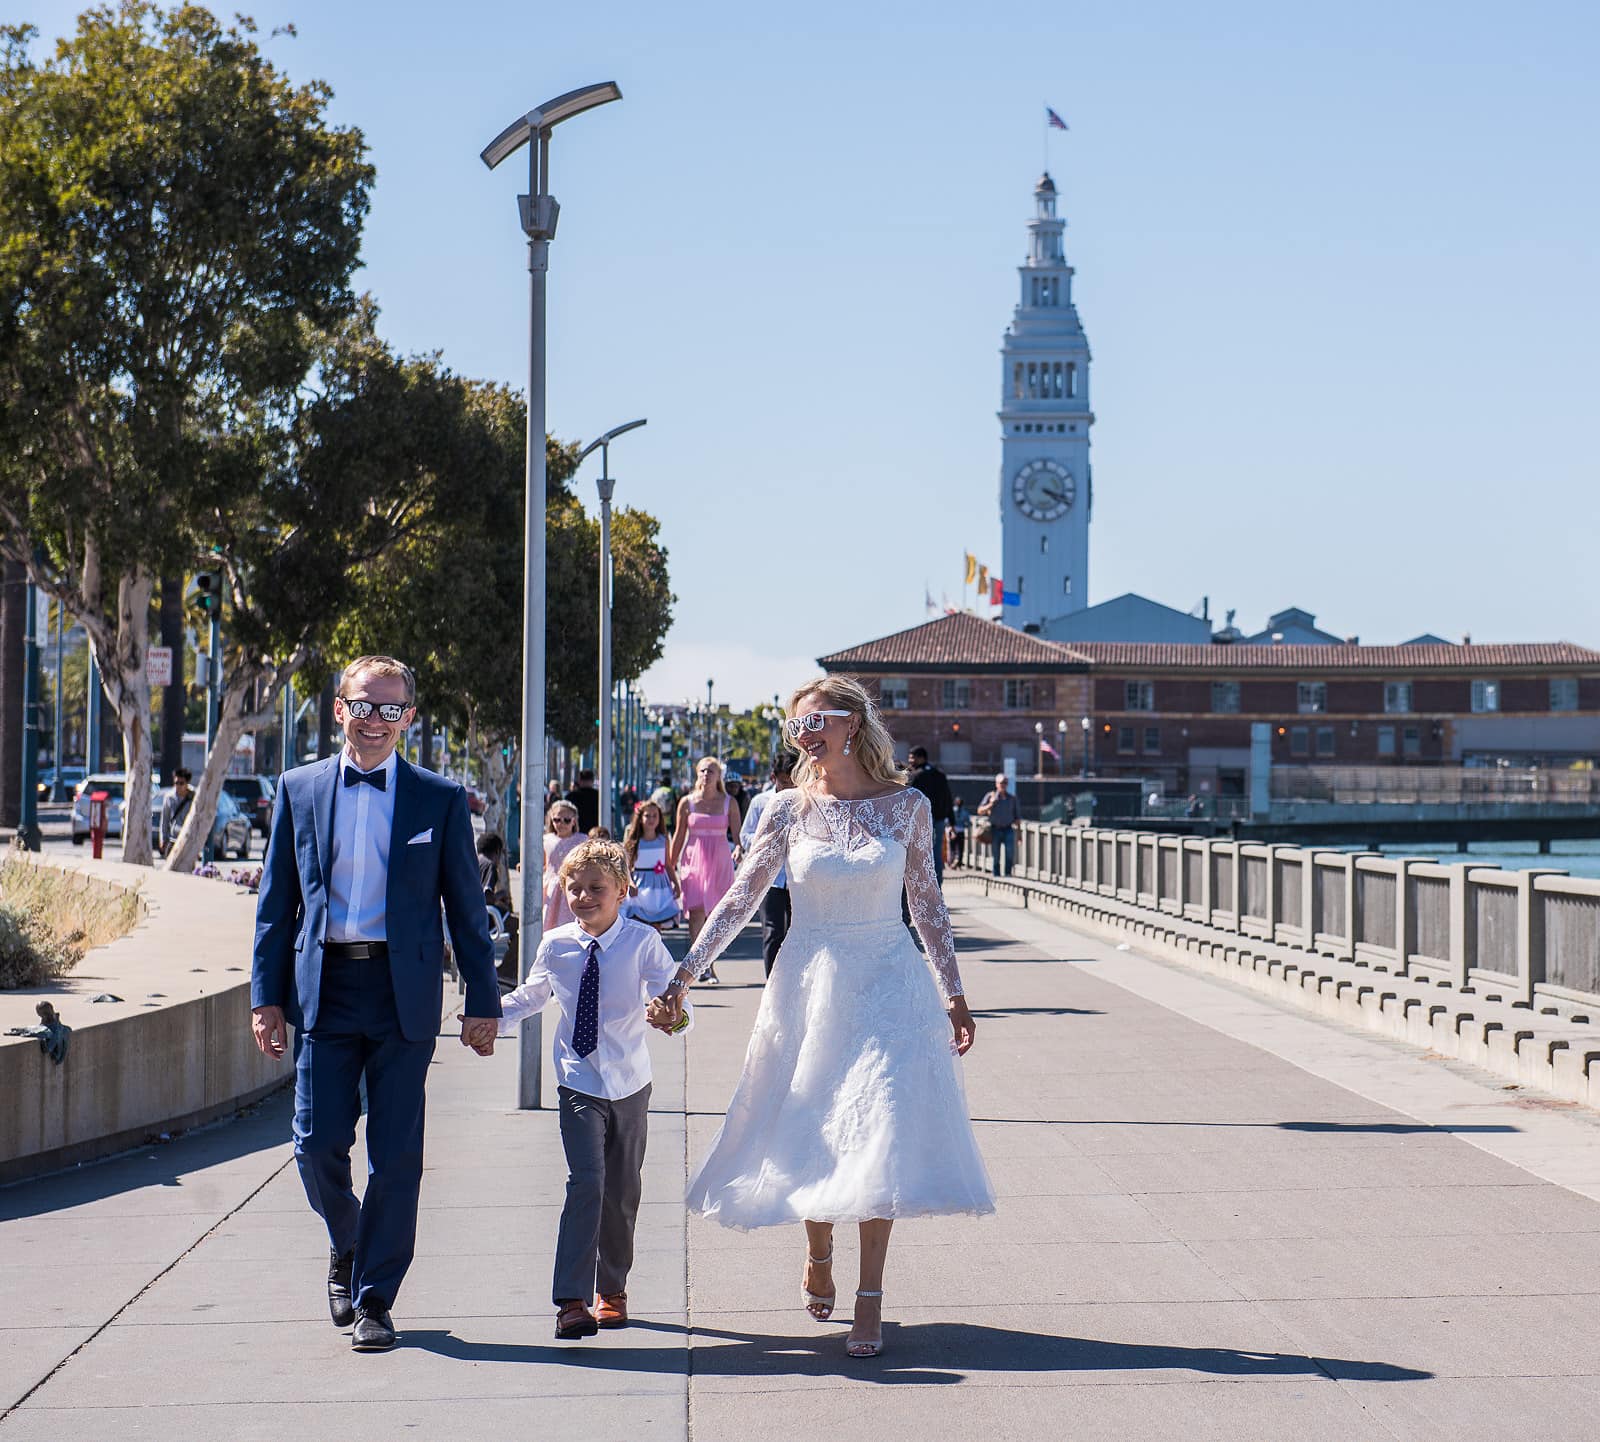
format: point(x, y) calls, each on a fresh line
point(178, 223)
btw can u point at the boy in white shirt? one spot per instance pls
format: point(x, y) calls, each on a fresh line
point(601, 969)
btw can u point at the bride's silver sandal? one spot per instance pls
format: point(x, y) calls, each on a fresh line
point(863, 1347)
point(820, 1304)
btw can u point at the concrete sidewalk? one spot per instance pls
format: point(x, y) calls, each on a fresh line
point(1197, 1238)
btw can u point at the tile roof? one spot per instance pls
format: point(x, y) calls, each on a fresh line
point(961, 640)
point(951, 642)
point(1483, 659)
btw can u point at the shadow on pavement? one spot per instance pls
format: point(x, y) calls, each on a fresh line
point(928, 1354)
point(999, 1011)
point(1398, 1129)
point(259, 1127)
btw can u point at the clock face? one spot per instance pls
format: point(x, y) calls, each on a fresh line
point(1043, 490)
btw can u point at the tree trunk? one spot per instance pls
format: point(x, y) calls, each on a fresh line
point(325, 746)
point(13, 605)
point(496, 773)
point(130, 692)
point(173, 697)
point(232, 723)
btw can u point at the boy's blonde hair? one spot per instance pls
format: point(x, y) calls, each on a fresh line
point(607, 855)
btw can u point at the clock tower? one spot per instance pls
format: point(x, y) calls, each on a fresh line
point(1045, 489)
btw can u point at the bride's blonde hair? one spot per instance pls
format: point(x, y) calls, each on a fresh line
point(872, 746)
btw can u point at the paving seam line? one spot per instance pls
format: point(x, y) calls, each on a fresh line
point(227, 1216)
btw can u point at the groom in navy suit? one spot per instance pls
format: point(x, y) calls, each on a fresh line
point(365, 850)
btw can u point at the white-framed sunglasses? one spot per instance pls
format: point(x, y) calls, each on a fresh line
point(796, 726)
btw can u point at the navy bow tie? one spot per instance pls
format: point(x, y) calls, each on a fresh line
point(378, 778)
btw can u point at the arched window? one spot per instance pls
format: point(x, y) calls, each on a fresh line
point(1055, 377)
point(1016, 380)
point(1033, 381)
point(1072, 379)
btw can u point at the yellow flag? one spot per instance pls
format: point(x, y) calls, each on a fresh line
point(972, 569)
point(983, 580)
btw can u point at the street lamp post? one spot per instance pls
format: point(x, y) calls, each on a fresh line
point(605, 485)
point(1061, 748)
point(538, 212)
point(1088, 727)
point(58, 787)
point(28, 835)
point(1038, 731)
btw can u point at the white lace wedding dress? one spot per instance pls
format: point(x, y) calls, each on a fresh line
point(850, 1105)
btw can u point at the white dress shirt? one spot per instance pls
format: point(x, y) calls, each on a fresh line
point(358, 869)
point(634, 966)
point(752, 823)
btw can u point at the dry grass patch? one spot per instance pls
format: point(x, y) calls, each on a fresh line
point(49, 918)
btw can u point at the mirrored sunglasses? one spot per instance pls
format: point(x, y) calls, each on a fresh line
point(796, 726)
point(390, 711)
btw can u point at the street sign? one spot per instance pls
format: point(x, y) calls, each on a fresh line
point(158, 665)
point(41, 616)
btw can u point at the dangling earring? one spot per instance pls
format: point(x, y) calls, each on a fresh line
point(846, 745)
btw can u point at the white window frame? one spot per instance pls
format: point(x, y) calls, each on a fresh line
point(894, 693)
point(1397, 698)
point(1485, 697)
point(956, 695)
point(1018, 694)
point(1569, 687)
point(1311, 698)
point(1139, 696)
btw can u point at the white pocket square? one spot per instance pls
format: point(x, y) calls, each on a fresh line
point(422, 838)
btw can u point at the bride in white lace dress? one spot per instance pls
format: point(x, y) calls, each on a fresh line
point(850, 1107)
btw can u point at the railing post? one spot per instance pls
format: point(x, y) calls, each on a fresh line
point(1308, 898)
point(1236, 899)
point(1205, 878)
point(1530, 932)
point(1349, 925)
point(1463, 923)
point(1405, 916)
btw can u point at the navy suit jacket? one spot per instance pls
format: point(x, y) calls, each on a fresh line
point(292, 910)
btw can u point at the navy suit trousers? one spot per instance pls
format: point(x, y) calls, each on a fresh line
point(357, 1036)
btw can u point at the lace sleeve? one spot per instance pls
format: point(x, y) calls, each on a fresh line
point(926, 901)
point(763, 861)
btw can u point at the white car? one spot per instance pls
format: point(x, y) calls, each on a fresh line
point(112, 783)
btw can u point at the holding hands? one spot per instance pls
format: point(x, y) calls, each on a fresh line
point(479, 1033)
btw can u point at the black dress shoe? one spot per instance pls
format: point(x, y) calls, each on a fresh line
point(340, 1307)
point(374, 1328)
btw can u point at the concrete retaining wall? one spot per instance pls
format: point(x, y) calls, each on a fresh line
point(174, 1052)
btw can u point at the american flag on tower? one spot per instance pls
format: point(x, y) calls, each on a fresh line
point(1055, 121)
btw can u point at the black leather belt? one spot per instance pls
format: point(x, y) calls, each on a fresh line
point(355, 950)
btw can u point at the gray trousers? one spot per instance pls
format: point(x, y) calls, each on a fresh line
point(604, 1142)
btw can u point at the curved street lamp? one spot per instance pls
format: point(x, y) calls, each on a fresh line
point(605, 485)
point(538, 213)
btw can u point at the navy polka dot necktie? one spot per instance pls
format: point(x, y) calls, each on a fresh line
point(586, 1025)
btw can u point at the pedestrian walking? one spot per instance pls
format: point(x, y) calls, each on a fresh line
point(653, 898)
point(175, 809)
point(960, 821)
point(702, 851)
point(776, 911)
point(561, 834)
point(999, 809)
point(935, 785)
point(587, 799)
point(600, 970)
point(667, 799)
point(850, 1106)
point(365, 852)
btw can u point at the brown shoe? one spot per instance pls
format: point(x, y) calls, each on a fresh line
point(611, 1311)
point(574, 1320)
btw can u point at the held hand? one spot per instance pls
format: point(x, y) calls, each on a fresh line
point(270, 1030)
point(962, 1024)
point(479, 1033)
point(664, 1012)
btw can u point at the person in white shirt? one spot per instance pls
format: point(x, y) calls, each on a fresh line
point(600, 969)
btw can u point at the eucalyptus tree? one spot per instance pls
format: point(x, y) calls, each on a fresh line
point(178, 223)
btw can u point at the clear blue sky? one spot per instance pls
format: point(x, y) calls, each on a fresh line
point(1337, 266)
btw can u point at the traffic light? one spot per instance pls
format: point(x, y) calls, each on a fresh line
point(208, 591)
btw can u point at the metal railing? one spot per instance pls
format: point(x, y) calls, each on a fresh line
point(1435, 785)
point(1534, 935)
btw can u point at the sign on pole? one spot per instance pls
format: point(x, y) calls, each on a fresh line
point(158, 666)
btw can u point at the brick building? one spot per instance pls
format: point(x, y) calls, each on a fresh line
point(977, 693)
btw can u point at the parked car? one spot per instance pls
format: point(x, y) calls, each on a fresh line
point(70, 776)
point(255, 795)
point(111, 782)
point(230, 831)
point(475, 802)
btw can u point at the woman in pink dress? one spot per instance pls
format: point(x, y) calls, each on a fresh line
point(561, 834)
point(702, 845)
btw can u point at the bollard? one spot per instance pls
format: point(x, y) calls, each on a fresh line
point(99, 806)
